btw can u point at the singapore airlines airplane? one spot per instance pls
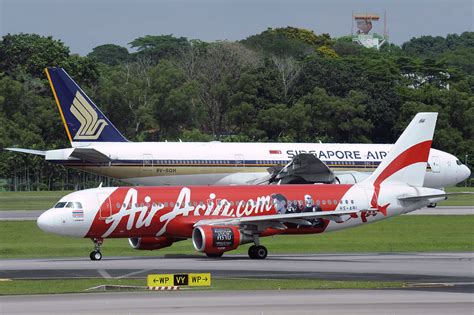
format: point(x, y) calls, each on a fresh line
point(220, 218)
point(98, 147)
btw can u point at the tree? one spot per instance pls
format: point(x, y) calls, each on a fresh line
point(159, 47)
point(30, 53)
point(289, 71)
point(218, 72)
point(110, 54)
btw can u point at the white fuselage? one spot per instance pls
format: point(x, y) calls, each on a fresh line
point(220, 163)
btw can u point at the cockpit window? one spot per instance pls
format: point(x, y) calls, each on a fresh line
point(458, 162)
point(70, 205)
point(77, 205)
point(60, 205)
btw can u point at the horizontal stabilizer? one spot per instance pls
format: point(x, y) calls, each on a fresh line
point(27, 151)
point(433, 196)
point(90, 155)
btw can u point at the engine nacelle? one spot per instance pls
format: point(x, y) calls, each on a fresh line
point(351, 178)
point(149, 243)
point(218, 239)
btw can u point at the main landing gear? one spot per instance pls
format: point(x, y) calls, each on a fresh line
point(96, 254)
point(257, 251)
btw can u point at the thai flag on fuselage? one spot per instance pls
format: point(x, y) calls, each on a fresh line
point(78, 215)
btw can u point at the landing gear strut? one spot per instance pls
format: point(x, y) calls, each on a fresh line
point(257, 251)
point(96, 254)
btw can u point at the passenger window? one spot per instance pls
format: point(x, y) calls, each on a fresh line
point(318, 202)
point(324, 202)
point(352, 201)
point(117, 205)
point(347, 201)
point(329, 202)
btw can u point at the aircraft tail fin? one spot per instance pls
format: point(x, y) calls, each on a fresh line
point(406, 161)
point(83, 120)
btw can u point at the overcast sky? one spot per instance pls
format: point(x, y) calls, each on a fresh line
point(85, 24)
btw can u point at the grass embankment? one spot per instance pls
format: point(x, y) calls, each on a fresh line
point(42, 200)
point(459, 200)
point(30, 200)
point(23, 239)
point(80, 285)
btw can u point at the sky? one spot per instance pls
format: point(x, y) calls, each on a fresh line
point(85, 24)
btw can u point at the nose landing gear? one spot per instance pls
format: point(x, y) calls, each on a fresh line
point(96, 254)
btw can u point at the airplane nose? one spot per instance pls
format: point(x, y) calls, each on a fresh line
point(46, 221)
point(465, 173)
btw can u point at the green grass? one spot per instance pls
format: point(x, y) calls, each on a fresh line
point(30, 200)
point(42, 200)
point(459, 200)
point(22, 239)
point(80, 285)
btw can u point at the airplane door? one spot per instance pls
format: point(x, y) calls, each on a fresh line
point(435, 164)
point(239, 160)
point(147, 163)
point(105, 210)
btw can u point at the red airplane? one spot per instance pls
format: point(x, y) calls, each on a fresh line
point(220, 218)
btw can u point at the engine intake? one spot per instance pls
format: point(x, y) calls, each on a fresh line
point(149, 243)
point(218, 239)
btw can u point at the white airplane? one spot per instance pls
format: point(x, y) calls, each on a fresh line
point(98, 147)
point(220, 218)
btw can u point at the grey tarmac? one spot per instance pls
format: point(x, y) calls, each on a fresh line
point(31, 215)
point(407, 267)
point(246, 302)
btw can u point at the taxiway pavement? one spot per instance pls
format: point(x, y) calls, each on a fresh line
point(246, 302)
point(408, 267)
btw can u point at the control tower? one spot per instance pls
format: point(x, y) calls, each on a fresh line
point(361, 31)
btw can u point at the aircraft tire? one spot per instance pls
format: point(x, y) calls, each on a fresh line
point(95, 255)
point(252, 252)
point(261, 252)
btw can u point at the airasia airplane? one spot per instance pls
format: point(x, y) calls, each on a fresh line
point(220, 218)
point(98, 147)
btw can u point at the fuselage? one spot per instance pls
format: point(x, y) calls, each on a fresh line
point(216, 163)
point(172, 212)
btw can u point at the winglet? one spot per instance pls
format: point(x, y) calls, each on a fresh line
point(82, 119)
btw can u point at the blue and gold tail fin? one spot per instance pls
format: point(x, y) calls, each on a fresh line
point(83, 120)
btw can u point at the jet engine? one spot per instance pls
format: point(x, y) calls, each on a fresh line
point(218, 239)
point(150, 243)
point(350, 177)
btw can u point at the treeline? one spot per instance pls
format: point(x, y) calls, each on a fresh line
point(284, 84)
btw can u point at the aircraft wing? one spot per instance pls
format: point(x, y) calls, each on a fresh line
point(28, 151)
point(90, 155)
point(303, 168)
point(277, 220)
point(434, 196)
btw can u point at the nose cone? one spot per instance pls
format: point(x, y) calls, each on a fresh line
point(47, 222)
point(465, 173)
